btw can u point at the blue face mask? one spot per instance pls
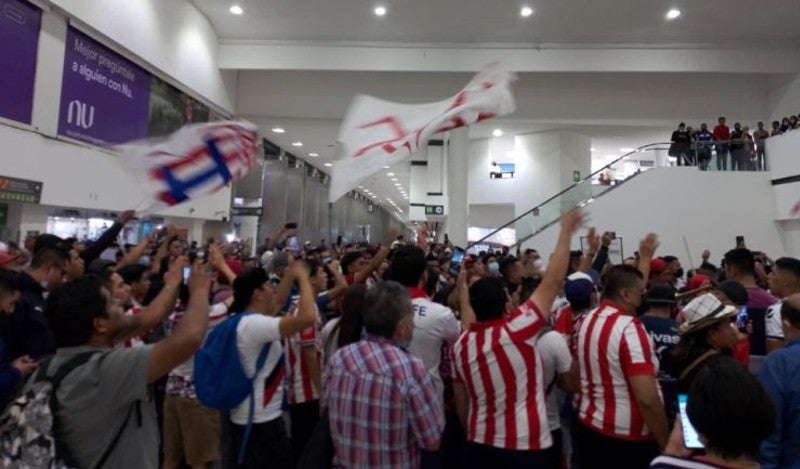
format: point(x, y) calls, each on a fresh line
point(494, 267)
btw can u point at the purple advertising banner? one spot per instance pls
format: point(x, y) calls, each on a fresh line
point(19, 34)
point(104, 97)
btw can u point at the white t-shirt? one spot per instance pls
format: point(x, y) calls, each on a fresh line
point(773, 322)
point(435, 326)
point(556, 359)
point(252, 333)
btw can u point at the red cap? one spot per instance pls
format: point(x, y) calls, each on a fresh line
point(697, 281)
point(657, 265)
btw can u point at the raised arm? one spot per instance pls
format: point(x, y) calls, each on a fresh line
point(191, 330)
point(465, 307)
point(553, 277)
point(647, 249)
point(376, 261)
point(217, 260)
point(285, 287)
point(307, 309)
point(158, 309)
point(137, 252)
point(602, 253)
point(107, 238)
point(340, 282)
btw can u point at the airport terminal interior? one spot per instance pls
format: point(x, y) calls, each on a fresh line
point(399, 233)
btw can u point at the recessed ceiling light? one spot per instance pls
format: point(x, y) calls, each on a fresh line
point(525, 11)
point(397, 184)
point(380, 10)
point(297, 144)
point(374, 196)
point(390, 174)
point(360, 187)
point(236, 10)
point(673, 13)
point(626, 150)
point(497, 133)
point(394, 179)
point(385, 167)
point(327, 165)
point(278, 130)
point(594, 149)
point(313, 154)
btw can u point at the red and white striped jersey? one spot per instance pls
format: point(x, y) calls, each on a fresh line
point(497, 363)
point(298, 376)
point(611, 347)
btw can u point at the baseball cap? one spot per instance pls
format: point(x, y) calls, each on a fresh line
point(734, 291)
point(578, 287)
point(657, 265)
point(704, 311)
point(661, 294)
point(697, 281)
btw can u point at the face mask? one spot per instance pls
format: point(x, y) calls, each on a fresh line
point(494, 267)
point(538, 264)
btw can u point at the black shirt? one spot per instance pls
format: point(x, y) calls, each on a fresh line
point(26, 332)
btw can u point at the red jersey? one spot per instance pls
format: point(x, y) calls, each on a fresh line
point(611, 347)
point(498, 364)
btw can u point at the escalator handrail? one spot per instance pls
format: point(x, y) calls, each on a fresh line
point(589, 177)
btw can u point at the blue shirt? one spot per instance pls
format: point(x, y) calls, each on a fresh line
point(780, 375)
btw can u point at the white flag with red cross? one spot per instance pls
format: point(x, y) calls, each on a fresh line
point(377, 133)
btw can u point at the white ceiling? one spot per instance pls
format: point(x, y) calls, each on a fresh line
point(498, 21)
point(615, 110)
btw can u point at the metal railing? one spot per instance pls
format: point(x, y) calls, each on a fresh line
point(584, 191)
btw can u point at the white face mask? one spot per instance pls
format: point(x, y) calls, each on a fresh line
point(538, 264)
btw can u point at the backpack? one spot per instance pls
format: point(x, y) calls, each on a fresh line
point(219, 378)
point(28, 429)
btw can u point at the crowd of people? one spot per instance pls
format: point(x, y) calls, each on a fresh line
point(745, 150)
point(398, 355)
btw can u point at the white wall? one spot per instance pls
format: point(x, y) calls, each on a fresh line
point(170, 35)
point(709, 208)
point(635, 99)
point(79, 176)
point(784, 163)
point(783, 96)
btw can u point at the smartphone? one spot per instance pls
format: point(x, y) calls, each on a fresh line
point(293, 245)
point(690, 437)
point(186, 272)
point(456, 260)
point(290, 226)
point(739, 241)
point(742, 319)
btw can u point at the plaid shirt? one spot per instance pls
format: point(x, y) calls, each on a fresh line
point(382, 404)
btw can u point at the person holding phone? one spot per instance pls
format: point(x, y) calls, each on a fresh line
point(730, 412)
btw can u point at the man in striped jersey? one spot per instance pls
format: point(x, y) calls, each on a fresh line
point(621, 419)
point(499, 391)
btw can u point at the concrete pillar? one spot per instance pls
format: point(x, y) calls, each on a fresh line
point(458, 164)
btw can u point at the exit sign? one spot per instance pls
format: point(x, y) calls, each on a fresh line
point(434, 210)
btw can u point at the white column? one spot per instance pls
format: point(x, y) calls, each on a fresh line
point(456, 186)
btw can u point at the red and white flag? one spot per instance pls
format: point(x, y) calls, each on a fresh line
point(195, 161)
point(377, 133)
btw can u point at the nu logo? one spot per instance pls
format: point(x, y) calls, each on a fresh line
point(82, 113)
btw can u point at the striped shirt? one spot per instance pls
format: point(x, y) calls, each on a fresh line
point(611, 347)
point(298, 374)
point(498, 364)
point(382, 405)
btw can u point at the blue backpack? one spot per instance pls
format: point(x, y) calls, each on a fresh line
point(219, 378)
